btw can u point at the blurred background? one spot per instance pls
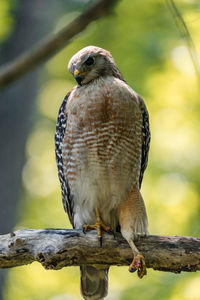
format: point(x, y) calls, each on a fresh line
point(143, 38)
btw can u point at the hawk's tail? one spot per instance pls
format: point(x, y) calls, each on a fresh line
point(94, 283)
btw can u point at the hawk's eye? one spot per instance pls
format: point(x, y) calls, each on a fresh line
point(89, 61)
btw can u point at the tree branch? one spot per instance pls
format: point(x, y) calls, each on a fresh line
point(58, 248)
point(184, 33)
point(51, 45)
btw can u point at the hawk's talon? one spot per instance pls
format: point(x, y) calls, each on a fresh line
point(89, 227)
point(100, 241)
point(132, 270)
point(99, 226)
point(138, 264)
point(111, 231)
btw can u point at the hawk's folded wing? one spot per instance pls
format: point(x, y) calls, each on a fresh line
point(59, 135)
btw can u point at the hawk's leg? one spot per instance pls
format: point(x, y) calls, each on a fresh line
point(99, 226)
point(133, 222)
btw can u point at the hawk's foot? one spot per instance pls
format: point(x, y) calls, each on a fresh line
point(99, 226)
point(138, 264)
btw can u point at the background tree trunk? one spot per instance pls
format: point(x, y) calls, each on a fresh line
point(34, 19)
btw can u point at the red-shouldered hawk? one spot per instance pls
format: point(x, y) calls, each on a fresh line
point(102, 143)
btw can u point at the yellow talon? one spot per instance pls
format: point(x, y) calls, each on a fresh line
point(99, 226)
point(138, 264)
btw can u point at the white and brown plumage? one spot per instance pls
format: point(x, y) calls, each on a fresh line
point(102, 143)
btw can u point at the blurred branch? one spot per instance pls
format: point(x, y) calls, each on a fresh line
point(50, 46)
point(184, 32)
point(58, 248)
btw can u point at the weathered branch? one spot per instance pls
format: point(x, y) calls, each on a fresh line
point(58, 248)
point(53, 44)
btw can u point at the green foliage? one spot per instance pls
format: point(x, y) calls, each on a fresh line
point(144, 41)
point(6, 18)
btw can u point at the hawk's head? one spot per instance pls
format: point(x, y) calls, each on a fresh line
point(92, 62)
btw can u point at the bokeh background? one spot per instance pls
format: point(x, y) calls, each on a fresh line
point(143, 38)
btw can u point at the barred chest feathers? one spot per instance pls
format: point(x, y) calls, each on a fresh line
point(102, 148)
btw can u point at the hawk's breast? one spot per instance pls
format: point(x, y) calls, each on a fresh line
point(102, 147)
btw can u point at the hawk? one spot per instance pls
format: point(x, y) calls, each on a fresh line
point(102, 143)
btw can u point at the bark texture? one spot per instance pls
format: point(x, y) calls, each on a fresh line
point(58, 248)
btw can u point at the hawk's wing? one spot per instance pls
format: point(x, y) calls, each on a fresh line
point(59, 135)
point(146, 137)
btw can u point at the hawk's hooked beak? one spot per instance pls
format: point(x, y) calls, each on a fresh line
point(79, 76)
